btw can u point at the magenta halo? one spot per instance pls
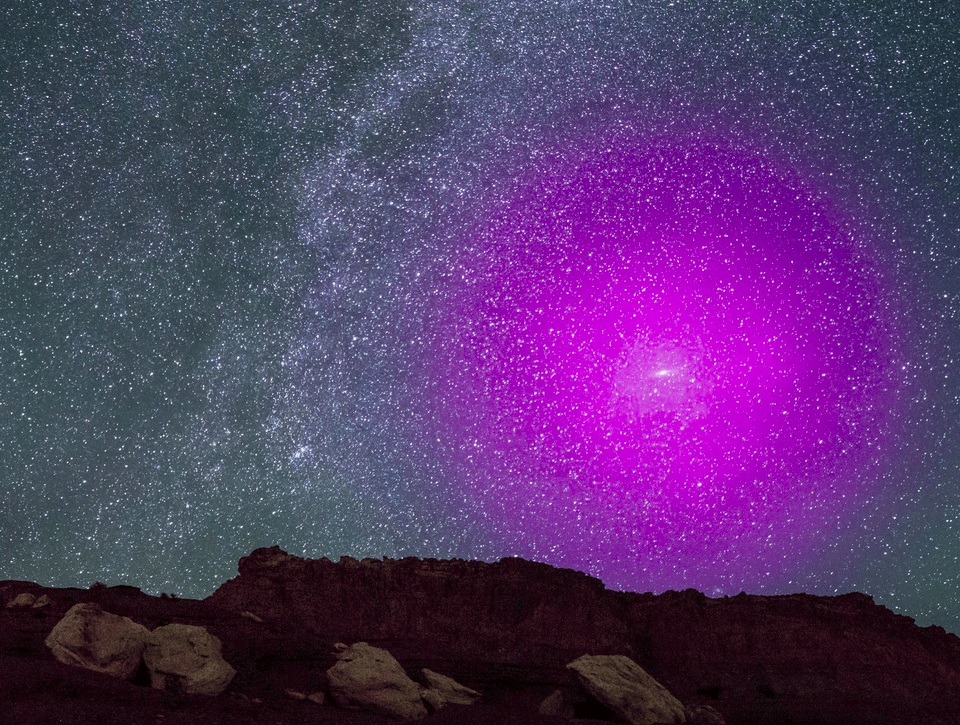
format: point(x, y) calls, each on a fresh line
point(670, 364)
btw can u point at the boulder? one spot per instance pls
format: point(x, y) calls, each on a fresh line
point(369, 678)
point(622, 685)
point(42, 601)
point(186, 658)
point(99, 641)
point(447, 690)
point(25, 599)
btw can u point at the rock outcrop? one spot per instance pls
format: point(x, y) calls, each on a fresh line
point(755, 658)
point(24, 599)
point(187, 659)
point(369, 678)
point(507, 614)
point(622, 685)
point(97, 640)
point(507, 630)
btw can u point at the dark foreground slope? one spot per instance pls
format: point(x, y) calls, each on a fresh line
point(505, 629)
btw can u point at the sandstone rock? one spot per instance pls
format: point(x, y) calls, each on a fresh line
point(316, 698)
point(186, 657)
point(805, 658)
point(510, 627)
point(512, 612)
point(369, 678)
point(42, 601)
point(556, 705)
point(97, 640)
point(26, 599)
point(449, 691)
point(622, 685)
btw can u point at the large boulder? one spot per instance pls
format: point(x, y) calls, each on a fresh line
point(622, 685)
point(100, 641)
point(186, 658)
point(369, 678)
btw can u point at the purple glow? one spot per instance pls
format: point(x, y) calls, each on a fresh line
point(672, 360)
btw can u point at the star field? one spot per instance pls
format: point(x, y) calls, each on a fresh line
point(667, 292)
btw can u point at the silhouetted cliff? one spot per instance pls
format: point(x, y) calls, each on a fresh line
point(506, 630)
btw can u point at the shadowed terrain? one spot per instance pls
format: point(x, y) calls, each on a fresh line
point(507, 630)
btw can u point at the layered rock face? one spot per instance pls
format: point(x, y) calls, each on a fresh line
point(756, 659)
point(511, 613)
point(799, 658)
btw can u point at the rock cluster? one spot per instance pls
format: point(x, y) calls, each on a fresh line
point(178, 656)
point(26, 599)
point(623, 688)
point(187, 659)
point(369, 678)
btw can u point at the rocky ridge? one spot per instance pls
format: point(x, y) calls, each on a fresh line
point(506, 630)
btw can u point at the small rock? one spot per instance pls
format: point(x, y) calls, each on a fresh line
point(42, 601)
point(25, 599)
point(317, 698)
point(449, 690)
point(252, 617)
point(295, 695)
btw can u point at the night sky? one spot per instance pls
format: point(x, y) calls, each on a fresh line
point(666, 292)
